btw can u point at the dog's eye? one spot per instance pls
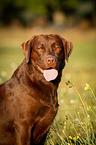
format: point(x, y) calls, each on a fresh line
point(38, 48)
point(58, 48)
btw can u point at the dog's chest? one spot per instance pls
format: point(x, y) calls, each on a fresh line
point(45, 95)
point(50, 100)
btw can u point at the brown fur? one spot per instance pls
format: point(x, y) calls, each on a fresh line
point(28, 103)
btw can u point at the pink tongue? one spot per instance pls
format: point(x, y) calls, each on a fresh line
point(50, 74)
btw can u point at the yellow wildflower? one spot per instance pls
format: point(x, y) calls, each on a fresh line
point(84, 123)
point(89, 108)
point(74, 138)
point(86, 87)
point(88, 116)
point(70, 137)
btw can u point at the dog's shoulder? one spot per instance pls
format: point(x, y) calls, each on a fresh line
point(6, 89)
point(9, 87)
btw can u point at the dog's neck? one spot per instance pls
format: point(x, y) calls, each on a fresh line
point(34, 80)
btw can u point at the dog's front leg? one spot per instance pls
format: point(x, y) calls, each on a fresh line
point(43, 125)
point(22, 134)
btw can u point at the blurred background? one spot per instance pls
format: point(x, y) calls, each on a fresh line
point(74, 20)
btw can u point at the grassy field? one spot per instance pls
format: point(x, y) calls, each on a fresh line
point(75, 122)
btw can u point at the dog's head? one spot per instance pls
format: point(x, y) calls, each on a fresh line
point(47, 51)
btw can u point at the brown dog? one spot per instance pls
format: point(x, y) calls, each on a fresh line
point(28, 101)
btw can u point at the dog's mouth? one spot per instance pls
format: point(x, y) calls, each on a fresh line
point(49, 74)
point(50, 68)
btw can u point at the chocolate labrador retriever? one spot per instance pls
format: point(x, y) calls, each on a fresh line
point(28, 100)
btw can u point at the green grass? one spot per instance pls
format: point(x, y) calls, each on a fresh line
point(76, 126)
point(72, 124)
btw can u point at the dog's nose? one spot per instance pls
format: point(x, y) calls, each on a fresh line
point(51, 60)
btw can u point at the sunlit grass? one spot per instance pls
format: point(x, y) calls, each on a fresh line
point(77, 126)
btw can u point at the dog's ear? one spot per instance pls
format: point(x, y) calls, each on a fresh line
point(68, 47)
point(26, 48)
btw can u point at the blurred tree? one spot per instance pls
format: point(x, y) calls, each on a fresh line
point(27, 10)
point(10, 9)
point(22, 10)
